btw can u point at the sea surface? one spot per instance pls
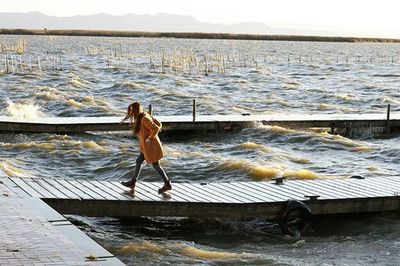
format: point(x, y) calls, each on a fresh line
point(46, 76)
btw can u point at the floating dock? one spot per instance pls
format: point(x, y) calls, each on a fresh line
point(342, 123)
point(32, 233)
point(231, 200)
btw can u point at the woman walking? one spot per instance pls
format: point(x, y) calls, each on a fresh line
point(146, 128)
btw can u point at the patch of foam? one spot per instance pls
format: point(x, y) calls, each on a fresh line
point(46, 95)
point(362, 148)
point(73, 103)
point(23, 109)
point(254, 170)
point(8, 167)
point(276, 129)
point(347, 97)
point(324, 106)
point(77, 82)
point(131, 85)
point(30, 145)
point(372, 168)
point(253, 146)
point(387, 99)
point(93, 146)
point(300, 174)
point(299, 160)
point(135, 248)
point(195, 252)
point(264, 172)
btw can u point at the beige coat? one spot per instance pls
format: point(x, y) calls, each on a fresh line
point(149, 128)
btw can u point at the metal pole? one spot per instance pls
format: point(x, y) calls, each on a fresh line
point(388, 119)
point(194, 110)
point(150, 109)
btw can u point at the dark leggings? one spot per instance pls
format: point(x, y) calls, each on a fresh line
point(156, 166)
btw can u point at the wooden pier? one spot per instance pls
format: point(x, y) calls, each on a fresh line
point(207, 123)
point(32, 233)
point(231, 200)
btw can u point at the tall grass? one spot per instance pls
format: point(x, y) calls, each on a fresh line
point(16, 57)
point(192, 35)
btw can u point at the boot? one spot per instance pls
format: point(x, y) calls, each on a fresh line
point(167, 186)
point(130, 184)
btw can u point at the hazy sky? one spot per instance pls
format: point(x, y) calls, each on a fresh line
point(378, 18)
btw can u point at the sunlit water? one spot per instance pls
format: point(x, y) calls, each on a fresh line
point(260, 77)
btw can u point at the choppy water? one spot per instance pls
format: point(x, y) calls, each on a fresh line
point(81, 76)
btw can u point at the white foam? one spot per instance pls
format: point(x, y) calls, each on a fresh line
point(23, 109)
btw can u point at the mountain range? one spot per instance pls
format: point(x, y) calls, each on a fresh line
point(161, 22)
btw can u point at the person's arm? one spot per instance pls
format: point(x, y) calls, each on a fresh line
point(151, 126)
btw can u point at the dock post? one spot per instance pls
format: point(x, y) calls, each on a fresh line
point(194, 110)
point(332, 129)
point(150, 109)
point(278, 180)
point(388, 119)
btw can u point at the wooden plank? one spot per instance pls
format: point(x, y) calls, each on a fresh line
point(91, 190)
point(344, 186)
point(227, 192)
point(329, 189)
point(27, 188)
point(117, 186)
point(52, 189)
point(310, 189)
point(177, 194)
point(193, 187)
point(139, 191)
point(346, 190)
point(279, 190)
point(60, 187)
point(386, 183)
point(360, 186)
point(8, 182)
point(243, 193)
point(171, 196)
point(100, 185)
point(382, 189)
point(5, 191)
point(255, 186)
point(123, 191)
point(186, 193)
point(266, 195)
point(300, 192)
point(41, 190)
point(195, 196)
point(253, 190)
point(74, 189)
point(94, 190)
point(78, 186)
point(395, 179)
point(351, 188)
point(205, 189)
point(363, 184)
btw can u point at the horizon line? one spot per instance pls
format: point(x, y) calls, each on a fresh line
point(192, 35)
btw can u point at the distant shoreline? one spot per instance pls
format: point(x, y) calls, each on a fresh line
point(193, 35)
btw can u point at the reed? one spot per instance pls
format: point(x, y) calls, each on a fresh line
point(193, 35)
point(185, 61)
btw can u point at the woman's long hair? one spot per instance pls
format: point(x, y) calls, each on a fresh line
point(135, 111)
